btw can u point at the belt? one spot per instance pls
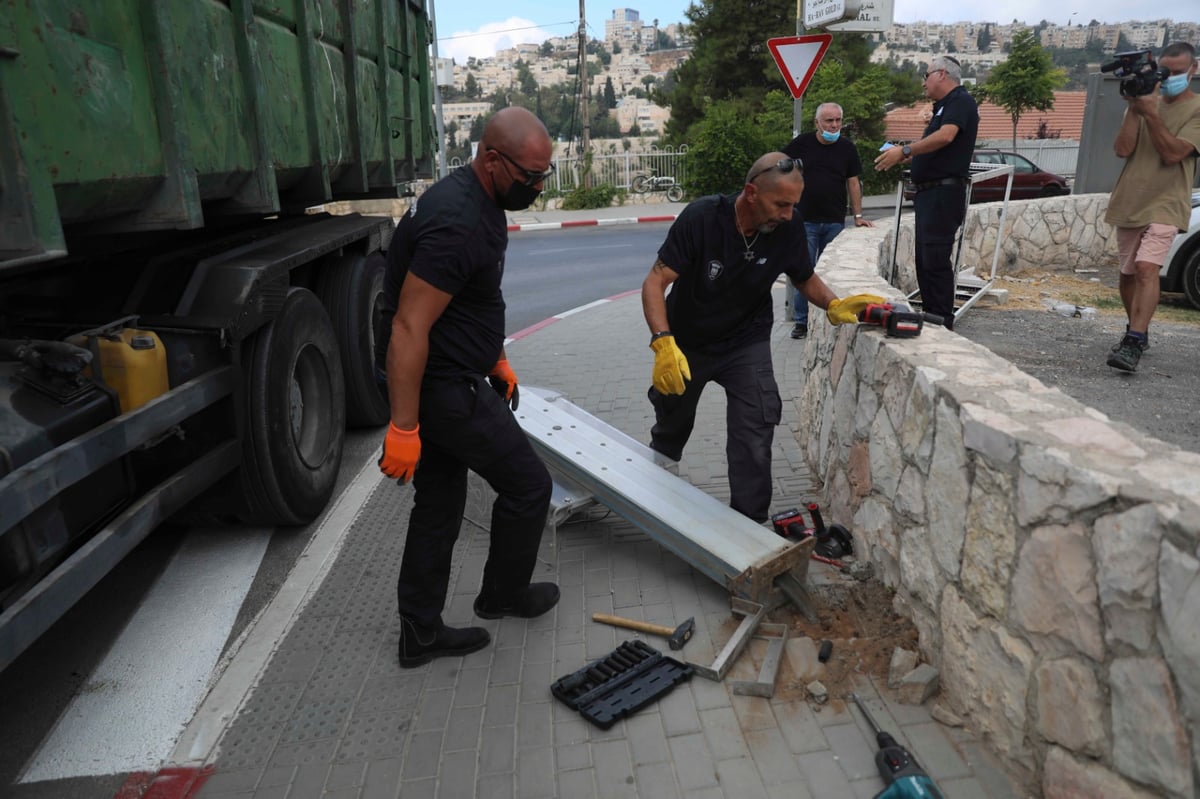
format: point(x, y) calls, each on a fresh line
point(943, 182)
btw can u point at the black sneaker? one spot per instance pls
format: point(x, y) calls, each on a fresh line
point(800, 330)
point(536, 599)
point(1126, 355)
point(419, 645)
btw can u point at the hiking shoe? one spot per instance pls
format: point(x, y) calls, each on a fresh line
point(1126, 355)
point(1145, 344)
point(536, 599)
point(800, 330)
point(420, 644)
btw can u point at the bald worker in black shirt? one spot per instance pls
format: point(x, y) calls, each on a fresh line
point(450, 387)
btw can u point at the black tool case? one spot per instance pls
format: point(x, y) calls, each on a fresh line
point(632, 676)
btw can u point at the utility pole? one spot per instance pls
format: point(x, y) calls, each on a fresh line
point(586, 128)
point(439, 118)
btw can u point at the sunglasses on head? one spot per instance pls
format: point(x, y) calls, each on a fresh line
point(531, 178)
point(785, 166)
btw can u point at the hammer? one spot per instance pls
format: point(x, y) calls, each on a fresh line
point(676, 638)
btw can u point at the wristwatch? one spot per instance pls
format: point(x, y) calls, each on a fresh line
point(906, 151)
point(858, 216)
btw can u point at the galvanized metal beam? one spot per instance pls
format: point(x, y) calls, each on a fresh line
point(744, 557)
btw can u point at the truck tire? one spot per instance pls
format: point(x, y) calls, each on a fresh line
point(350, 287)
point(294, 404)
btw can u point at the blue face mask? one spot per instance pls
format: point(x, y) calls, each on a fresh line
point(1175, 85)
point(830, 137)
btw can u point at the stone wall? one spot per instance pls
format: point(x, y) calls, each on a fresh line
point(1057, 234)
point(1049, 556)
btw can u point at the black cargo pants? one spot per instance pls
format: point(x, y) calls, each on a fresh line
point(940, 211)
point(466, 425)
point(752, 410)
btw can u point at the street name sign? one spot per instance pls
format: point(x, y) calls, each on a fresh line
point(797, 58)
point(876, 16)
point(818, 13)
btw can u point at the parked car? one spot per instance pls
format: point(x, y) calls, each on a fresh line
point(1029, 181)
point(1181, 270)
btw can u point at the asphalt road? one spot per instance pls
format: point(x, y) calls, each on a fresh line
point(1159, 399)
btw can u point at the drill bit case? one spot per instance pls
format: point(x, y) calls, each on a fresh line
point(632, 676)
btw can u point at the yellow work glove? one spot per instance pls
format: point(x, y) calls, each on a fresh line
point(846, 310)
point(401, 453)
point(670, 365)
point(504, 382)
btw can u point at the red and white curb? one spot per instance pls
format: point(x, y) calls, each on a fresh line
point(520, 334)
point(632, 220)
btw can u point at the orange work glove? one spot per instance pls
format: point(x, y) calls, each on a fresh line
point(504, 380)
point(401, 453)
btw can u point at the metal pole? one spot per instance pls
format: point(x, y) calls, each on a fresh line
point(586, 134)
point(437, 98)
point(798, 105)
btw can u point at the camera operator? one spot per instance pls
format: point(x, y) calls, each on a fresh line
point(1159, 138)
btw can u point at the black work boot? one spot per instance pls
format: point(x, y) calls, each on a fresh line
point(534, 600)
point(420, 644)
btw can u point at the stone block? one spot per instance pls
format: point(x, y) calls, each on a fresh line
point(1064, 777)
point(903, 661)
point(1069, 706)
point(918, 685)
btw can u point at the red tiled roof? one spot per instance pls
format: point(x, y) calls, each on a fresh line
point(1065, 118)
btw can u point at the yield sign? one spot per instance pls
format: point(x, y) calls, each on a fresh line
point(798, 56)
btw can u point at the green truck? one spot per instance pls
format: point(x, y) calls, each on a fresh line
point(179, 332)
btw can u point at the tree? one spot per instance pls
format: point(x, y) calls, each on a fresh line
point(546, 50)
point(610, 95)
point(729, 61)
point(525, 79)
point(1024, 82)
point(983, 42)
point(471, 87)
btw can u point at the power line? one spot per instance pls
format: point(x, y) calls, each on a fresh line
point(507, 30)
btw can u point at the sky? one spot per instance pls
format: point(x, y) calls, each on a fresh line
point(479, 28)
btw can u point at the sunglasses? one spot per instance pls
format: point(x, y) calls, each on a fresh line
point(785, 166)
point(531, 178)
point(933, 72)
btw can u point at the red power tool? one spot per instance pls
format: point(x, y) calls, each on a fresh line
point(897, 319)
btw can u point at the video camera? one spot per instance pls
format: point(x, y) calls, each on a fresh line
point(1138, 71)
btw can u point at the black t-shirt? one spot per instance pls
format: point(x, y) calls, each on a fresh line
point(826, 168)
point(954, 160)
point(722, 299)
point(453, 237)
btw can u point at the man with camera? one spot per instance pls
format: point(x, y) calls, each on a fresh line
point(1159, 139)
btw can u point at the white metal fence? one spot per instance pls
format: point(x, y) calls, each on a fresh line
point(616, 169)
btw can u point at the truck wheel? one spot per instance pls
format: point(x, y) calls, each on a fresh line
point(1191, 279)
point(295, 409)
point(351, 289)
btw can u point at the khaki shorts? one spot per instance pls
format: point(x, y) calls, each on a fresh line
point(1147, 245)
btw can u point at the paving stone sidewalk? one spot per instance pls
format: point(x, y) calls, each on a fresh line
point(333, 714)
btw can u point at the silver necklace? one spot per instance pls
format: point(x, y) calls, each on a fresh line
point(748, 255)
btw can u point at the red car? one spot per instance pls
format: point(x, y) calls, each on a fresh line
point(1028, 180)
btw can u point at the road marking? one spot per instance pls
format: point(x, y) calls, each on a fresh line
point(141, 696)
point(250, 654)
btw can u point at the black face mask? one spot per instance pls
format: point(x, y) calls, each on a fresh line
point(518, 197)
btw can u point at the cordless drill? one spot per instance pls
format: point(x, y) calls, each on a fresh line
point(897, 319)
point(904, 777)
